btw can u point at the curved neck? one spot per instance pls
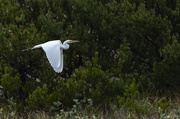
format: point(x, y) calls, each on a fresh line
point(65, 46)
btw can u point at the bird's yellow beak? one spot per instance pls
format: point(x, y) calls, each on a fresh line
point(75, 41)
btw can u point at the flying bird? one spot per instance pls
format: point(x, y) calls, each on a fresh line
point(54, 52)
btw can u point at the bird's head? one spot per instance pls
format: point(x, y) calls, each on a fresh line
point(66, 43)
point(71, 41)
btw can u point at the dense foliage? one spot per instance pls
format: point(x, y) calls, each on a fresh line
point(127, 48)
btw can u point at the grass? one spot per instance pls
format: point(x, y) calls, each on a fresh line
point(155, 110)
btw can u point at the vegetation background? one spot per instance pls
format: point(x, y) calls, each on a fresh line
point(127, 64)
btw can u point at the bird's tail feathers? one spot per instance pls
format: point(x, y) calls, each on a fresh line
point(36, 47)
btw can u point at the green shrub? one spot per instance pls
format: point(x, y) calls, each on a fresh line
point(132, 100)
point(11, 83)
point(141, 28)
point(38, 99)
point(166, 72)
point(92, 82)
point(163, 104)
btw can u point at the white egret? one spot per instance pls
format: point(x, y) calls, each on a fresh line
point(54, 52)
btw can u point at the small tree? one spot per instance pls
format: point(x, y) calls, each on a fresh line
point(166, 76)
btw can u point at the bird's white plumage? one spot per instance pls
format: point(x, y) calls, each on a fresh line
point(54, 53)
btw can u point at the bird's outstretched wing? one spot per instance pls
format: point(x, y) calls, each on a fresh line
point(53, 53)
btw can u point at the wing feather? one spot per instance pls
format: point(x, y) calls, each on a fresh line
point(61, 65)
point(53, 53)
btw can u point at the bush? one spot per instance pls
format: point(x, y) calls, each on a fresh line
point(166, 72)
point(132, 38)
point(11, 84)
